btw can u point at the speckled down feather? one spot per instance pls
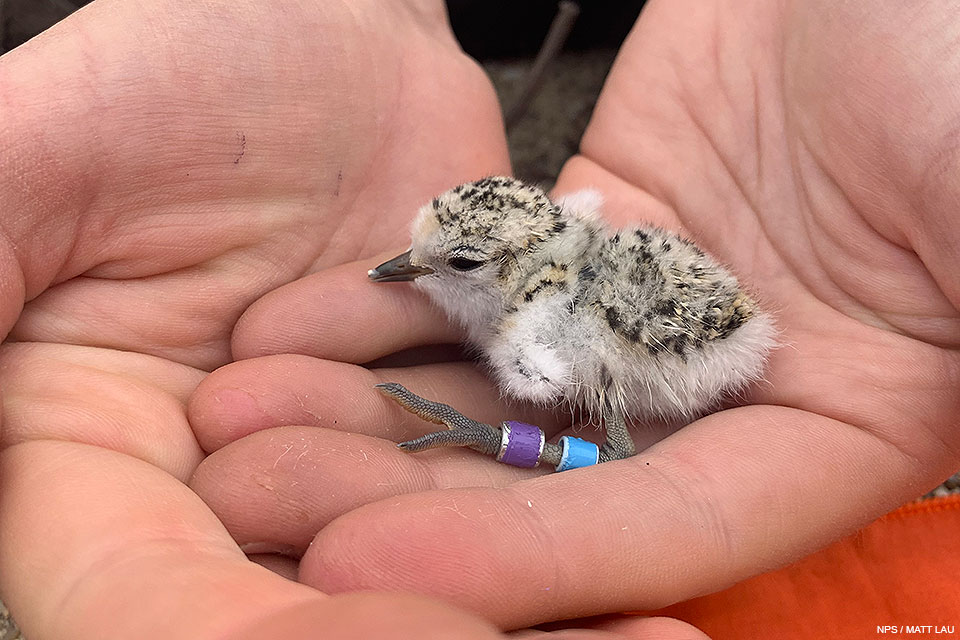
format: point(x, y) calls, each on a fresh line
point(564, 310)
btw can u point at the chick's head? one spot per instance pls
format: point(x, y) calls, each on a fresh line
point(466, 242)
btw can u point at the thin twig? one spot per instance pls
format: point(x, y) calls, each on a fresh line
point(563, 22)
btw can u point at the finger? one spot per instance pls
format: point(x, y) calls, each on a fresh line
point(281, 390)
point(652, 628)
point(691, 515)
point(340, 314)
point(275, 489)
point(123, 531)
point(623, 627)
point(170, 315)
point(371, 615)
point(128, 402)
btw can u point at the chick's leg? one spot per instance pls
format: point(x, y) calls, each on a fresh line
point(619, 444)
point(461, 430)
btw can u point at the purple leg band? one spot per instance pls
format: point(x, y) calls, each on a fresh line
point(521, 444)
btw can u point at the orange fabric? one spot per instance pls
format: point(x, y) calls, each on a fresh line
point(903, 569)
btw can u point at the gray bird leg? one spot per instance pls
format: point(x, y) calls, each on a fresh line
point(619, 444)
point(551, 454)
point(461, 430)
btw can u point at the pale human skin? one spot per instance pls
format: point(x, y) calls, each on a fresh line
point(857, 417)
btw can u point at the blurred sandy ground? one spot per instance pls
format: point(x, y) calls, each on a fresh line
point(550, 131)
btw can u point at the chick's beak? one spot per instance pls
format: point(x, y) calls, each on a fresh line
point(398, 270)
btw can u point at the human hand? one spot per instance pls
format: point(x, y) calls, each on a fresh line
point(808, 145)
point(163, 165)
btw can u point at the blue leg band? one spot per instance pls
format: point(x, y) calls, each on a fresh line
point(577, 453)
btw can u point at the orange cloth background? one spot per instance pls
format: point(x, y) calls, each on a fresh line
point(903, 569)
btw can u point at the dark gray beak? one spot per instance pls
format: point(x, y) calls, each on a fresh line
point(398, 270)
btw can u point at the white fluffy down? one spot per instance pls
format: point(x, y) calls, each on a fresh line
point(549, 358)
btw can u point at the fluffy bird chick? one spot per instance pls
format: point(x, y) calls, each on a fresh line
point(637, 324)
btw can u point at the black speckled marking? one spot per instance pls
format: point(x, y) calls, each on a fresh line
point(655, 348)
point(666, 308)
point(544, 285)
point(679, 346)
point(526, 373)
point(740, 314)
point(613, 318)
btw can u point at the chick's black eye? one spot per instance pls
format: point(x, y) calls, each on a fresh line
point(464, 264)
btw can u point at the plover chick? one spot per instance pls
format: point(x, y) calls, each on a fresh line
point(633, 325)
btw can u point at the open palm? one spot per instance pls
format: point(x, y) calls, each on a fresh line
point(163, 165)
point(808, 145)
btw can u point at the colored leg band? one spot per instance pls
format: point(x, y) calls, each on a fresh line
point(577, 453)
point(520, 444)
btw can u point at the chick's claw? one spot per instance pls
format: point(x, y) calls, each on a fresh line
point(462, 431)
